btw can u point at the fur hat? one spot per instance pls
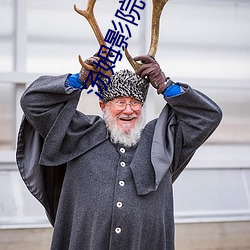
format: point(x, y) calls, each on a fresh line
point(125, 83)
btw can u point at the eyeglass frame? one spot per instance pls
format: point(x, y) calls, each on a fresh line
point(140, 104)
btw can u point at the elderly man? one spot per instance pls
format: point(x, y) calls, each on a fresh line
point(107, 183)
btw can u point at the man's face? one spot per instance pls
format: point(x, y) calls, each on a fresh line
point(126, 118)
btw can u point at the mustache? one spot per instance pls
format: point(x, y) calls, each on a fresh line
point(122, 116)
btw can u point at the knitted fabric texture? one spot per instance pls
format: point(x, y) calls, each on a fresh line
point(125, 83)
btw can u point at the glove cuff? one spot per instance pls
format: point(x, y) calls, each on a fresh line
point(82, 75)
point(165, 85)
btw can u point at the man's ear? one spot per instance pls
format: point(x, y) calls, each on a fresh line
point(102, 105)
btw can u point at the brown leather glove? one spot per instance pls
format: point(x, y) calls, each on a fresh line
point(151, 69)
point(84, 72)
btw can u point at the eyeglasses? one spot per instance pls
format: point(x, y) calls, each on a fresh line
point(121, 105)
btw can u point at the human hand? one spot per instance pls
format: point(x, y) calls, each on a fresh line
point(151, 69)
point(83, 75)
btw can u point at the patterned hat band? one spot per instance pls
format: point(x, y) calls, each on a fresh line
point(125, 83)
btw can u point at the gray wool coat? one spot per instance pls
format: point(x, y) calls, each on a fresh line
point(99, 195)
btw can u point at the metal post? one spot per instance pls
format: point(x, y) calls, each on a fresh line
point(20, 54)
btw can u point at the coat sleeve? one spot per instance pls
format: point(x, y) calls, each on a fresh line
point(44, 99)
point(42, 102)
point(197, 117)
point(52, 133)
point(67, 133)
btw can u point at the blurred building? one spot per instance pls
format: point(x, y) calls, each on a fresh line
point(205, 43)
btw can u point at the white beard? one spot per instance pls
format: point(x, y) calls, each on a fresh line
point(127, 139)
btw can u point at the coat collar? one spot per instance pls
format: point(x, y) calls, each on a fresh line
point(154, 154)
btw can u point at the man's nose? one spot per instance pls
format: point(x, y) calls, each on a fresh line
point(128, 110)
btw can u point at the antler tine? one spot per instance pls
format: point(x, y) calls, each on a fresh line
point(158, 6)
point(135, 65)
point(88, 13)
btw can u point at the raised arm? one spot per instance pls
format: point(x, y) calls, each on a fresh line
point(44, 99)
point(197, 116)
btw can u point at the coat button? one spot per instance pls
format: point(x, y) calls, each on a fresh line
point(118, 230)
point(121, 183)
point(119, 204)
point(122, 150)
point(123, 164)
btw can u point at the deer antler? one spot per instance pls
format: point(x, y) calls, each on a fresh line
point(158, 6)
point(88, 13)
